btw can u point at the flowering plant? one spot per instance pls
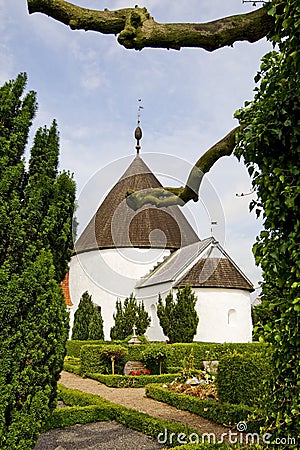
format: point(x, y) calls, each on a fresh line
point(140, 372)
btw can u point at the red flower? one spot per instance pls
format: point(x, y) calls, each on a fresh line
point(147, 372)
point(138, 373)
point(131, 373)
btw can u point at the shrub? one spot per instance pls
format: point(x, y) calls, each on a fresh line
point(114, 353)
point(65, 417)
point(73, 347)
point(208, 446)
point(222, 413)
point(154, 356)
point(101, 409)
point(130, 380)
point(72, 365)
point(92, 359)
point(203, 351)
point(240, 378)
point(175, 354)
point(173, 369)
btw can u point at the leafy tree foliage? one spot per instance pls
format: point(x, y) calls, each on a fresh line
point(88, 322)
point(259, 316)
point(128, 315)
point(154, 356)
point(114, 353)
point(270, 145)
point(178, 318)
point(36, 208)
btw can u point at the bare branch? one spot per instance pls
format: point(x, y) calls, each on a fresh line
point(169, 196)
point(136, 29)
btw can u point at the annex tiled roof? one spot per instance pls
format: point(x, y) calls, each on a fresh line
point(175, 264)
point(116, 225)
point(198, 266)
point(66, 290)
point(215, 273)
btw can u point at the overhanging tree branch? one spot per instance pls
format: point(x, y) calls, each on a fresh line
point(136, 29)
point(169, 196)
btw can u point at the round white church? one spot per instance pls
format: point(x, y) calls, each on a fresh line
point(153, 251)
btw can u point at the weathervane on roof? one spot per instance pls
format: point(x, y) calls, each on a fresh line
point(138, 131)
point(254, 2)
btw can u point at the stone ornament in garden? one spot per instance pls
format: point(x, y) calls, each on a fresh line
point(135, 368)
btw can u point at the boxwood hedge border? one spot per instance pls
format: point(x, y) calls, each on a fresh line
point(85, 408)
point(223, 413)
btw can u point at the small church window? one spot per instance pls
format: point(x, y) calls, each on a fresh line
point(232, 317)
point(153, 315)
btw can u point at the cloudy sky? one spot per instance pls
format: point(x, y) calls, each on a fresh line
point(91, 85)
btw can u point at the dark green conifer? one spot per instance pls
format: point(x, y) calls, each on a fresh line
point(178, 318)
point(83, 317)
point(96, 325)
point(128, 315)
point(36, 208)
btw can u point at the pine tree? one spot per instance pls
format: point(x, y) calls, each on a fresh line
point(36, 208)
point(128, 315)
point(179, 319)
point(96, 325)
point(142, 319)
point(117, 332)
point(83, 317)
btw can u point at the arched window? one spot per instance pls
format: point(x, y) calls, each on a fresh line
point(153, 315)
point(231, 317)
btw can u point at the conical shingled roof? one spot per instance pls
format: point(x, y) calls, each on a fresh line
point(116, 225)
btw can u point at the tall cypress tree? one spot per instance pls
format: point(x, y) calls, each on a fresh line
point(36, 209)
point(96, 331)
point(82, 317)
point(128, 315)
point(178, 318)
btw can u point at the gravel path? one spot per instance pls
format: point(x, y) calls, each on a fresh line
point(112, 435)
point(135, 398)
point(98, 435)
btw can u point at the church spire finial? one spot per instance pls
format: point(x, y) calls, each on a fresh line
point(138, 131)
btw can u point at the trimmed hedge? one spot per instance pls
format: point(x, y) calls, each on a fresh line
point(93, 408)
point(93, 361)
point(65, 417)
point(222, 413)
point(175, 353)
point(240, 377)
point(207, 351)
point(73, 347)
point(123, 381)
point(72, 365)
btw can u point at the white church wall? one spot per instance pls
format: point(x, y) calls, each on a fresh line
point(149, 295)
point(108, 275)
point(224, 315)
